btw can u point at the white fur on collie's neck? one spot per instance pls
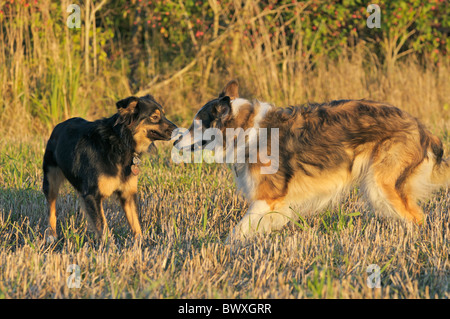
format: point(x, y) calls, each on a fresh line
point(244, 181)
point(260, 109)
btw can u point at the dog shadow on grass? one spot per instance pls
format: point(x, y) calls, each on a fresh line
point(24, 219)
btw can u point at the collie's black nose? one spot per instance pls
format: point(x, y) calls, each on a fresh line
point(177, 140)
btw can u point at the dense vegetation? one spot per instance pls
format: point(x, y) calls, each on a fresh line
point(50, 72)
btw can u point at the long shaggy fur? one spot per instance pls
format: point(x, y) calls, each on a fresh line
point(324, 149)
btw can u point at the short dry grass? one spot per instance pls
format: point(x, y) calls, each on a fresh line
point(186, 212)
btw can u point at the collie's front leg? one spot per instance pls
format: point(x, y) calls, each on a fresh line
point(261, 217)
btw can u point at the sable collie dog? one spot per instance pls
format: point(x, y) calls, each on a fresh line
point(101, 158)
point(324, 149)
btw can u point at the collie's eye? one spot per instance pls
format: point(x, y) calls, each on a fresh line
point(154, 118)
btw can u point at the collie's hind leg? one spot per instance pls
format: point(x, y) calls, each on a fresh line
point(261, 217)
point(403, 204)
point(391, 196)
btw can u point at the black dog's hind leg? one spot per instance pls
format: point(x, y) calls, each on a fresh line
point(53, 178)
point(94, 214)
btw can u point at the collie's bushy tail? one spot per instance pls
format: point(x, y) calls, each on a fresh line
point(440, 175)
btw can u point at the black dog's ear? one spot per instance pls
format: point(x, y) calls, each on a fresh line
point(125, 103)
point(148, 97)
point(231, 90)
point(127, 109)
point(222, 110)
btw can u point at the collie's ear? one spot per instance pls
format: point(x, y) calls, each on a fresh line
point(223, 109)
point(231, 90)
point(127, 109)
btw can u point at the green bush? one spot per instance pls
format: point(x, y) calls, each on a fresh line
point(327, 25)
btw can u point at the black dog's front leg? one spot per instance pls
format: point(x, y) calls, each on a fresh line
point(94, 213)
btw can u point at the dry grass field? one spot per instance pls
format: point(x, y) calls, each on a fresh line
point(49, 73)
point(187, 211)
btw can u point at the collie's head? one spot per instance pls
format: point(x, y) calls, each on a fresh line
point(225, 111)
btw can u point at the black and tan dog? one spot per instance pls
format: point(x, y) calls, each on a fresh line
point(323, 150)
point(101, 158)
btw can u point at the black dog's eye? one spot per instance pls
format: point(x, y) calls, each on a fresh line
point(154, 118)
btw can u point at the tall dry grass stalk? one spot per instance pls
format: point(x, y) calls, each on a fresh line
point(42, 68)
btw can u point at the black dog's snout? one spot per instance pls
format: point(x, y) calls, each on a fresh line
point(172, 127)
point(169, 128)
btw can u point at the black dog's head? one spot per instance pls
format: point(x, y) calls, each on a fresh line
point(145, 118)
